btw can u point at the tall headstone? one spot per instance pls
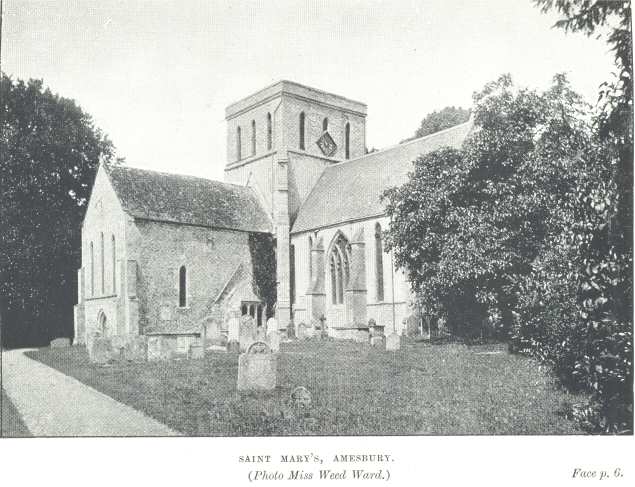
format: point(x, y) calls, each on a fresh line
point(393, 342)
point(247, 333)
point(272, 324)
point(257, 368)
point(273, 339)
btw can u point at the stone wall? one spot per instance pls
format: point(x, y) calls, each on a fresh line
point(102, 280)
point(379, 310)
point(210, 257)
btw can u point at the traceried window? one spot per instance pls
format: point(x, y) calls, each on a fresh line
point(302, 117)
point(238, 144)
point(379, 263)
point(269, 132)
point(347, 140)
point(182, 287)
point(339, 259)
point(253, 137)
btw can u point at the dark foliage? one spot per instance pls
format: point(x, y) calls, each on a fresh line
point(441, 120)
point(262, 248)
point(49, 153)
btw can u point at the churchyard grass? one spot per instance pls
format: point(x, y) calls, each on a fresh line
point(356, 390)
point(11, 422)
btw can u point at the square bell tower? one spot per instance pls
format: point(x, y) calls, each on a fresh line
point(279, 140)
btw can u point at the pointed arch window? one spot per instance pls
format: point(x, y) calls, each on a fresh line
point(253, 137)
point(292, 273)
point(101, 255)
point(347, 140)
point(114, 265)
point(379, 263)
point(302, 120)
point(238, 143)
point(182, 287)
point(339, 263)
point(310, 260)
point(325, 124)
point(92, 270)
point(269, 132)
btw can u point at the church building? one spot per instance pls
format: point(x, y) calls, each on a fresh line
point(178, 256)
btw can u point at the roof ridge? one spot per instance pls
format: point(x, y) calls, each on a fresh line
point(165, 173)
point(404, 144)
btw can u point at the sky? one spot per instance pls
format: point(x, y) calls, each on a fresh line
point(156, 75)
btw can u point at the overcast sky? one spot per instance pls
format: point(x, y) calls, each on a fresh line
point(157, 75)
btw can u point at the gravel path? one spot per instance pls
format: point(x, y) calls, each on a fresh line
point(53, 404)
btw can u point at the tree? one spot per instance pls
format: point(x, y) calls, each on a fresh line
point(49, 154)
point(469, 221)
point(441, 120)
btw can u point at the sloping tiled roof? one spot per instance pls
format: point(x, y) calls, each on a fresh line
point(187, 199)
point(351, 190)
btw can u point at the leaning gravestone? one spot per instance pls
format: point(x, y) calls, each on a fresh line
point(101, 350)
point(247, 332)
point(257, 368)
point(61, 343)
point(393, 342)
point(273, 338)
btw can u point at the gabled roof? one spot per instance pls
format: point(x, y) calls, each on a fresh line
point(351, 190)
point(189, 200)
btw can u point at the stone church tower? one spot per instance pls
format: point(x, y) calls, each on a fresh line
point(279, 141)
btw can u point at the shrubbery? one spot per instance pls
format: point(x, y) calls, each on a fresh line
point(516, 235)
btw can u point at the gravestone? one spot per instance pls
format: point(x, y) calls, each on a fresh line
point(301, 398)
point(378, 341)
point(101, 350)
point(304, 331)
point(290, 330)
point(61, 343)
point(158, 348)
point(196, 351)
point(136, 349)
point(247, 332)
point(118, 347)
point(412, 325)
point(273, 338)
point(272, 325)
point(393, 342)
point(257, 368)
point(261, 334)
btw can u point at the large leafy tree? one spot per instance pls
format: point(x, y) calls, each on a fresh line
point(440, 120)
point(469, 221)
point(597, 350)
point(49, 154)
